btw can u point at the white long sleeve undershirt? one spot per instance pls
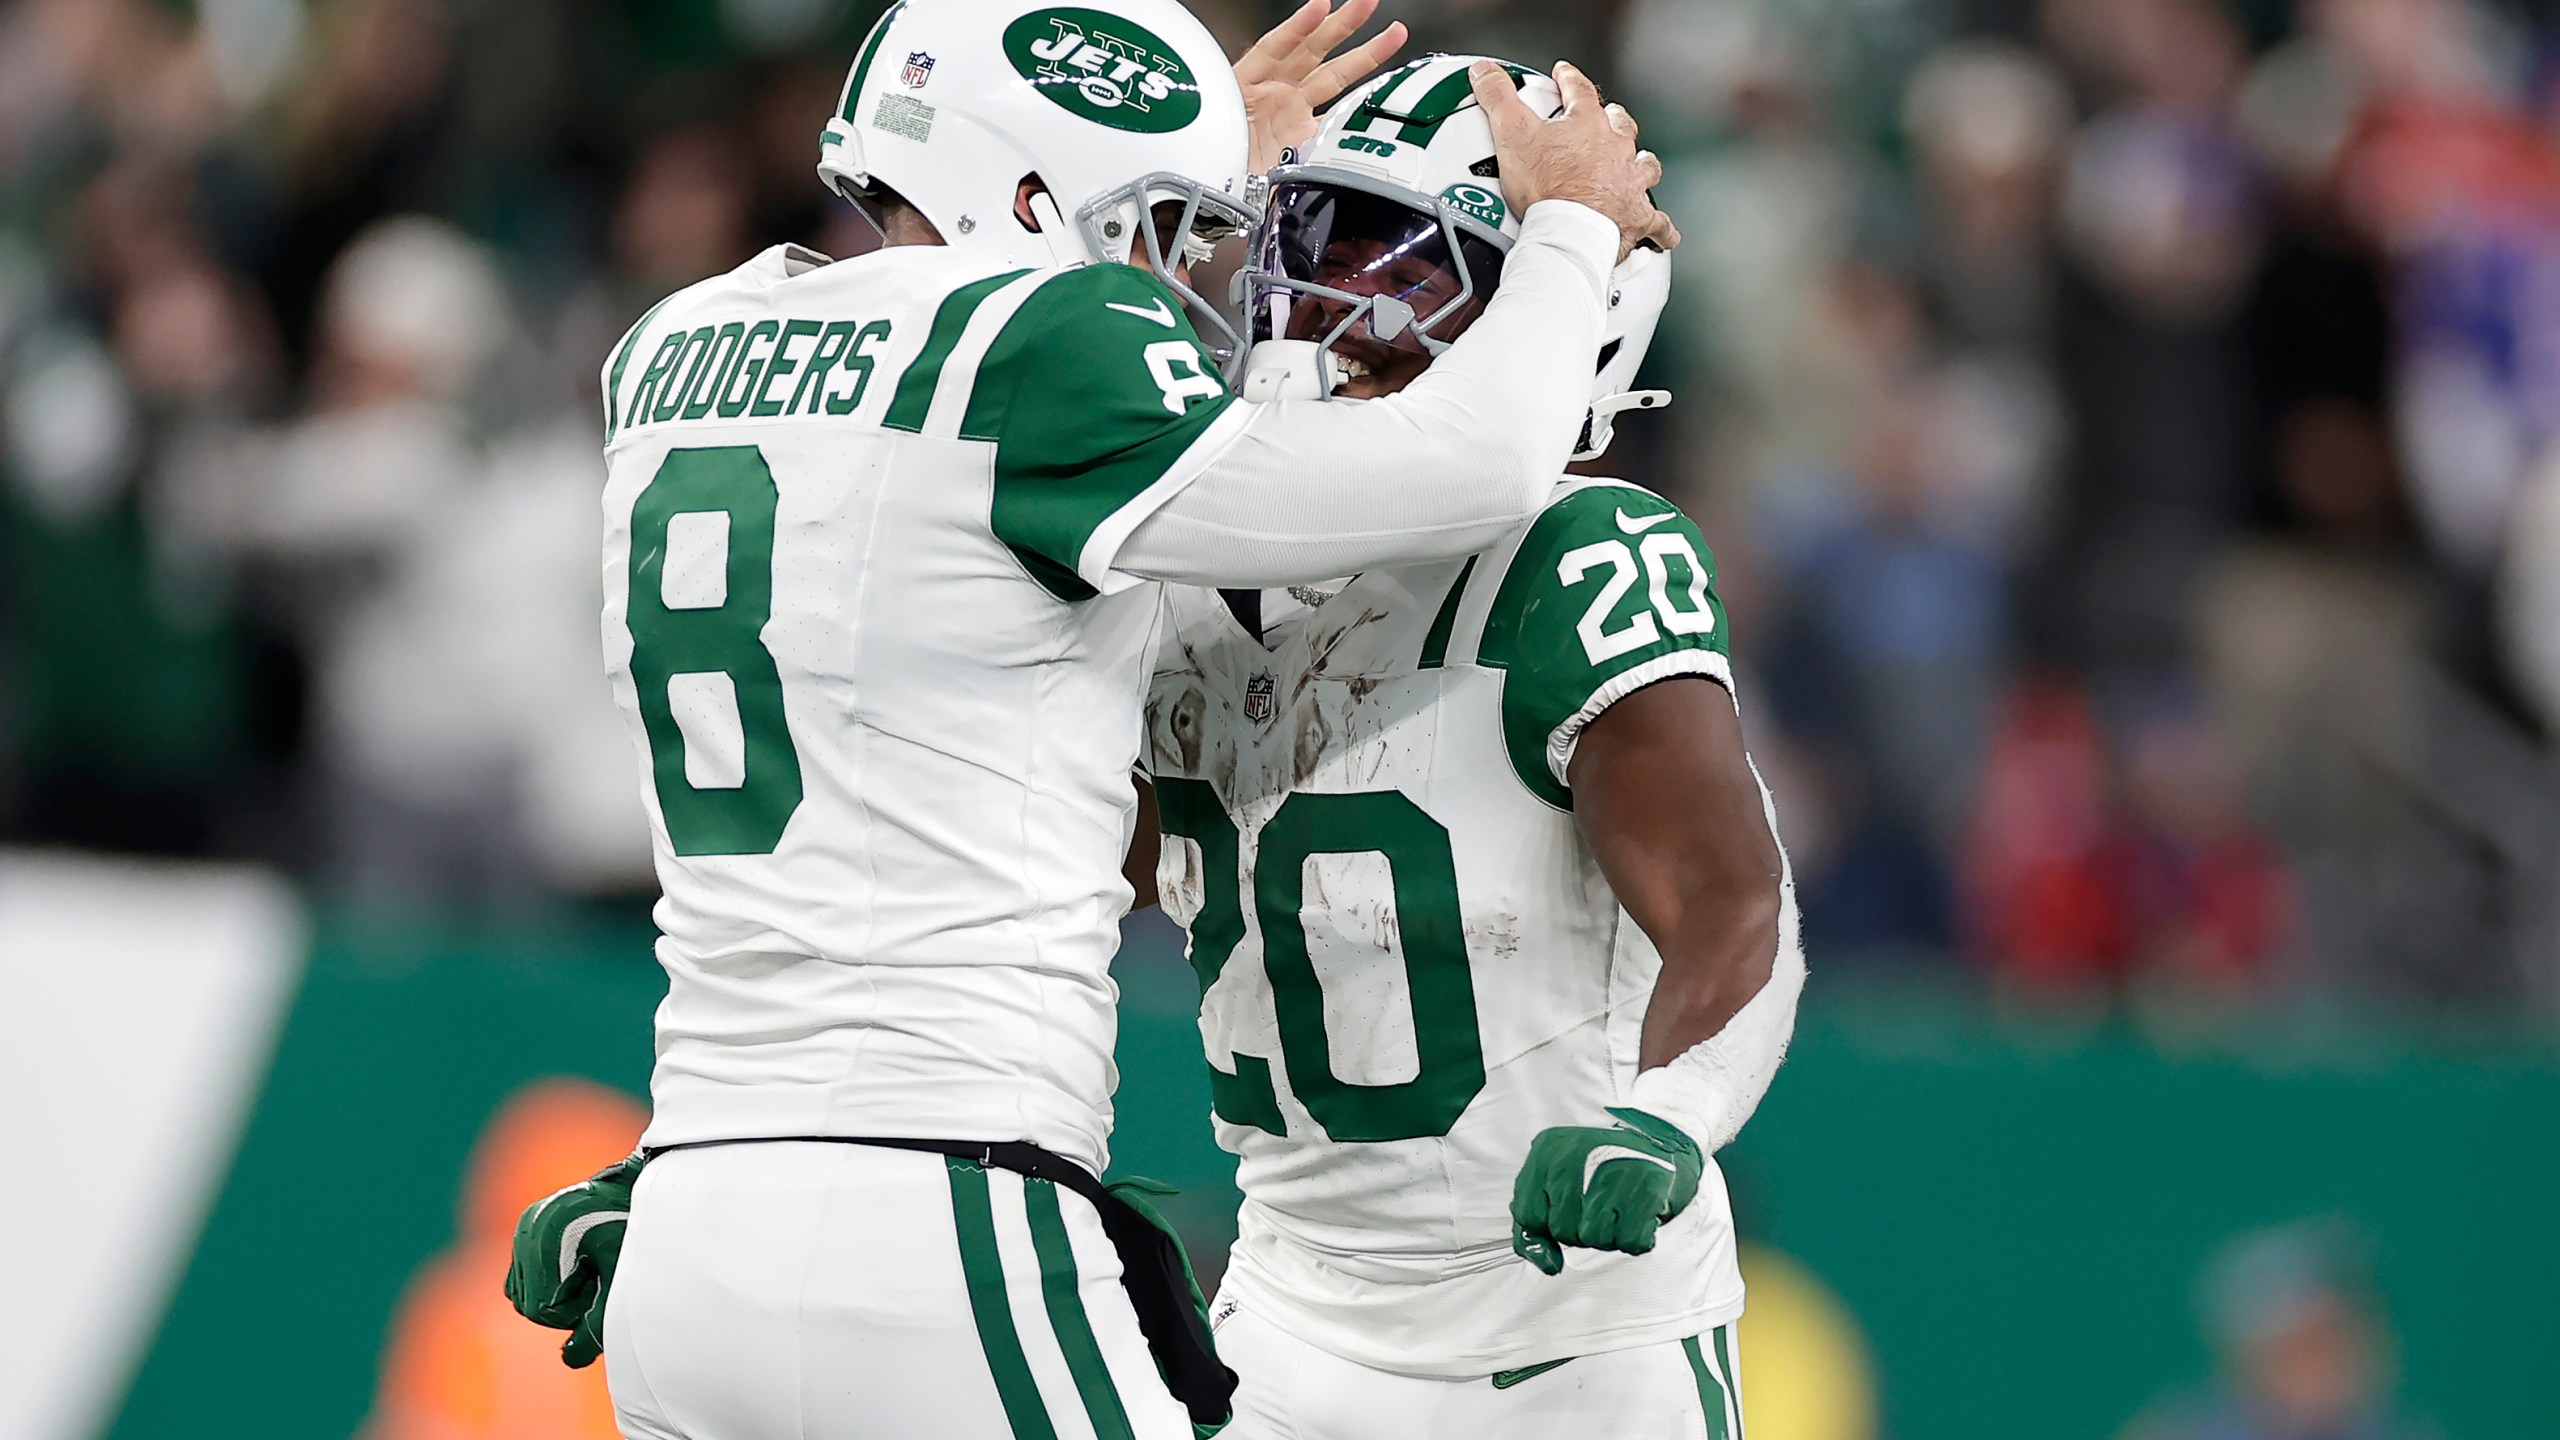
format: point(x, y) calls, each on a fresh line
point(1309, 490)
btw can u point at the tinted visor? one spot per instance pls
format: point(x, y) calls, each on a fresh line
point(1209, 227)
point(1364, 245)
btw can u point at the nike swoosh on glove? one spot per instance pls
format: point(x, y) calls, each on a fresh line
point(562, 1262)
point(1602, 1187)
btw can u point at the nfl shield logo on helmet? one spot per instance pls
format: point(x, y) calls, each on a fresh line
point(919, 70)
point(1261, 698)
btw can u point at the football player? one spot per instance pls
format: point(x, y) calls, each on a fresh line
point(1496, 939)
point(878, 543)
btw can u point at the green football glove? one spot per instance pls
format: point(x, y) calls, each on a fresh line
point(566, 1245)
point(1603, 1188)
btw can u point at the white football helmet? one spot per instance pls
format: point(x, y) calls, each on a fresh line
point(1115, 105)
point(1389, 229)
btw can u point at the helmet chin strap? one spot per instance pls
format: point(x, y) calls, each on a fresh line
point(1053, 230)
point(1602, 426)
point(1289, 370)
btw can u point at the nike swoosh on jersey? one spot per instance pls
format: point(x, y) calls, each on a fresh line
point(1626, 522)
point(1505, 1379)
point(1162, 314)
point(1602, 1155)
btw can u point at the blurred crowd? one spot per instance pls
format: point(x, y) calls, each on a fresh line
point(2126, 428)
point(2129, 425)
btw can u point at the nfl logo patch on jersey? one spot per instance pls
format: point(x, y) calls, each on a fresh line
point(919, 70)
point(1261, 698)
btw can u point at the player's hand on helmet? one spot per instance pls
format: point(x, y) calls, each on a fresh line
point(1287, 77)
point(566, 1246)
point(1602, 1187)
point(1587, 153)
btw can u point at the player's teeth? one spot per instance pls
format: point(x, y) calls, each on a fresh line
point(1353, 369)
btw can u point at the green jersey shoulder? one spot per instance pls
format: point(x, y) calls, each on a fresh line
point(1093, 392)
point(1609, 589)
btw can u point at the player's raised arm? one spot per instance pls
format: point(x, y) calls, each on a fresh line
point(1312, 489)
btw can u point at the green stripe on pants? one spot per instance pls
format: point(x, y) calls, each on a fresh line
point(1062, 1288)
point(973, 1213)
point(1711, 1391)
point(1732, 1382)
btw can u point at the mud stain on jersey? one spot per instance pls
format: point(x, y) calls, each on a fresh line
point(1190, 886)
point(1377, 756)
point(1340, 716)
point(1497, 934)
point(1361, 920)
point(1192, 667)
point(1307, 754)
point(1323, 656)
point(1184, 726)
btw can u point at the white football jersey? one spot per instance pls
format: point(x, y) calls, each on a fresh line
point(1411, 963)
point(885, 687)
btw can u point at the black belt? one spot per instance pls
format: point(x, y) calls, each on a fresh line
point(1153, 1269)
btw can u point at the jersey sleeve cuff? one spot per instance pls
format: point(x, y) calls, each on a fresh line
point(1562, 740)
point(1102, 548)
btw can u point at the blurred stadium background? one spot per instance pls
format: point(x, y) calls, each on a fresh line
point(2127, 429)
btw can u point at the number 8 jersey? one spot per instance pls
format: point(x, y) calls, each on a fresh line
point(884, 685)
point(1410, 961)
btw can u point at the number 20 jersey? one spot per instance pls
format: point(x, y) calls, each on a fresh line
point(885, 688)
point(1411, 963)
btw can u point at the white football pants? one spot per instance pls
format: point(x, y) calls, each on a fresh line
point(809, 1291)
point(1676, 1390)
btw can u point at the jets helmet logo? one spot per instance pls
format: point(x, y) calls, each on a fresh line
point(1261, 698)
point(1105, 68)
